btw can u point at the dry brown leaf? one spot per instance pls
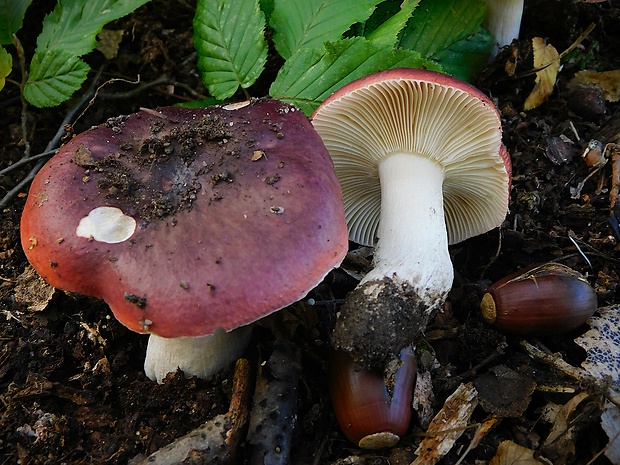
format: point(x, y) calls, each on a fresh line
point(109, 42)
point(607, 81)
point(504, 392)
point(448, 425)
point(610, 422)
point(32, 291)
point(509, 453)
point(547, 58)
point(559, 445)
point(602, 344)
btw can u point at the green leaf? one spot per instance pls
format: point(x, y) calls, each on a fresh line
point(54, 76)
point(12, 14)
point(267, 7)
point(438, 24)
point(301, 24)
point(467, 56)
point(229, 38)
point(6, 64)
point(387, 32)
point(311, 75)
point(74, 24)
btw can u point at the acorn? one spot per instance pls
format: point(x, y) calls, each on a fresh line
point(373, 410)
point(545, 299)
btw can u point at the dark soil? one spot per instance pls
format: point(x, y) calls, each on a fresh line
point(72, 385)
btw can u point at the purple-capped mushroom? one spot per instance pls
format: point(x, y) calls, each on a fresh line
point(189, 223)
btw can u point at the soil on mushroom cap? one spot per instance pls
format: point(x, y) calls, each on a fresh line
point(168, 154)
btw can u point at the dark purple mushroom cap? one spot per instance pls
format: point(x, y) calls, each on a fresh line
point(188, 220)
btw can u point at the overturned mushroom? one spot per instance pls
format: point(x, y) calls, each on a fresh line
point(189, 223)
point(421, 163)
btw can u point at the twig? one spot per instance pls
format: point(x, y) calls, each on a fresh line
point(582, 376)
point(217, 440)
point(25, 161)
point(24, 118)
point(161, 80)
point(53, 143)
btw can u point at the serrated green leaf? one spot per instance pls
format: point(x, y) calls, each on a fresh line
point(466, 57)
point(301, 24)
point(387, 32)
point(6, 64)
point(438, 24)
point(229, 39)
point(74, 24)
point(311, 75)
point(54, 76)
point(12, 14)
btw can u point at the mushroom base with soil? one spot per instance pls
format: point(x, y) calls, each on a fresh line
point(413, 271)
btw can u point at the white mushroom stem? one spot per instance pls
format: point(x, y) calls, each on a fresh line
point(412, 242)
point(196, 356)
point(503, 20)
point(413, 271)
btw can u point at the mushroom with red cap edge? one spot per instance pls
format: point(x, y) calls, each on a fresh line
point(189, 223)
point(421, 163)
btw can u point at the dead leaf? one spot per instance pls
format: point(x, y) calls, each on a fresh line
point(32, 291)
point(448, 425)
point(610, 421)
point(559, 444)
point(607, 81)
point(547, 61)
point(602, 345)
point(509, 453)
point(504, 392)
point(109, 41)
point(423, 398)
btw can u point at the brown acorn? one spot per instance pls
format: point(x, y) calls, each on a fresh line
point(545, 299)
point(373, 411)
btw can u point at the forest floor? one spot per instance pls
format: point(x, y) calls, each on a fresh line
point(72, 385)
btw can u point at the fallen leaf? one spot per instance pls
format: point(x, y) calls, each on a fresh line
point(32, 291)
point(504, 392)
point(448, 425)
point(109, 42)
point(602, 345)
point(547, 61)
point(607, 81)
point(559, 445)
point(509, 453)
point(610, 421)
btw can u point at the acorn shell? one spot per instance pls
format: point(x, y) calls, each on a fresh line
point(372, 411)
point(545, 299)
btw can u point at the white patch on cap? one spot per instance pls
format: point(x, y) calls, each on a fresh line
point(236, 105)
point(106, 224)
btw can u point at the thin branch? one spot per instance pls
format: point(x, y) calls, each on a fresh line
point(24, 117)
point(53, 143)
point(25, 161)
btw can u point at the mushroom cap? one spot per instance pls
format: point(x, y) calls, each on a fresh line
point(188, 220)
point(424, 113)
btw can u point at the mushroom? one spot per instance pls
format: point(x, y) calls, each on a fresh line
point(189, 223)
point(421, 163)
point(503, 21)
